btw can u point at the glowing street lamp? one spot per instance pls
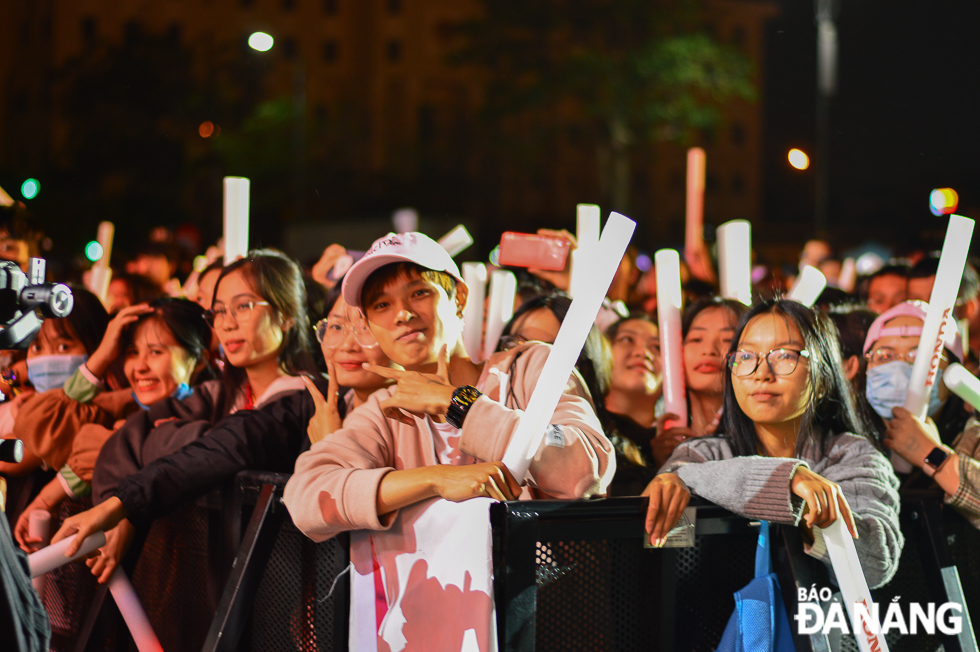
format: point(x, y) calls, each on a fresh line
point(798, 159)
point(260, 41)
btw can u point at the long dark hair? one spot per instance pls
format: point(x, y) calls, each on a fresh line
point(185, 321)
point(278, 279)
point(86, 322)
point(735, 308)
point(831, 409)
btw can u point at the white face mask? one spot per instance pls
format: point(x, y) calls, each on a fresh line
point(51, 371)
point(888, 385)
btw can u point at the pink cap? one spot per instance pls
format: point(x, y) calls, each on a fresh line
point(413, 247)
point(951, 332)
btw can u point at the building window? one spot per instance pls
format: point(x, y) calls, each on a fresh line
point(394, 6)
point(288, 5)
point(330, 51)
point(289, 48)
point(738, 134)
point(89, 29)
point(394, 50)
point(330, 7)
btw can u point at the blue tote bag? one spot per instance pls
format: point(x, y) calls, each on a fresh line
point(759, 622)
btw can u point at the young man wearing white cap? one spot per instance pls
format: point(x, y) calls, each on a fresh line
point(440, 431)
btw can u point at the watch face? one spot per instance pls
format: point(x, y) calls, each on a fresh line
point(936, 457)
point(468, 394)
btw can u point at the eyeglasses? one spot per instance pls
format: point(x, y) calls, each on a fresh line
point(331, 332)
point(241, 313)
point(886, 355)
point(782, 362)
point(508, 342)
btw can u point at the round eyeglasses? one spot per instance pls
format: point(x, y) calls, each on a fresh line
point(240, 312)
point(782, 362)
point(886, 355)
point(330, 332)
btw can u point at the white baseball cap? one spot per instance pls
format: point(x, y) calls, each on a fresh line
point(413, 247)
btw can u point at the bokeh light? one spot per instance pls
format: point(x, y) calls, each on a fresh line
point(206, 129)
point(798, 159)
point(260, 41)
point(943, 201)
point(30, 188)
point(93, 251)
point(200, 263)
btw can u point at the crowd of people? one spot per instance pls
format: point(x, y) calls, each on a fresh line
point(353, 376)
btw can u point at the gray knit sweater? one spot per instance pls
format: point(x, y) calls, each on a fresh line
point(759, 488)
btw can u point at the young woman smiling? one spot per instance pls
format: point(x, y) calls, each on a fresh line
point(793, 444)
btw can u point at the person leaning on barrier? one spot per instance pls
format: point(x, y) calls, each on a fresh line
point(794, 445)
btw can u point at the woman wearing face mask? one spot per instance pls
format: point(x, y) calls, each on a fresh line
point(792, 445)
point(164, 345)
point(890, 348)
point(708, 326)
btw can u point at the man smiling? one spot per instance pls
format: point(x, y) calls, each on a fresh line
point(441, 430)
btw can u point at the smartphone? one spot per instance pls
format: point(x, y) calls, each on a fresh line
point(343, 264)
point(530, 250)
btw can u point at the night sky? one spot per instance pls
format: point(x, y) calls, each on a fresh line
point(904, 121)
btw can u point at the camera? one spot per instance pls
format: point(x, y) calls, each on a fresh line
point(25, 299)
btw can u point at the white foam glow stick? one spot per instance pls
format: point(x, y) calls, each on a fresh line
point(132, 612)
point(808, 286)
point(588, 221)
point(456, 241)
point(735, 260)
point(694, 223)
point(669, 301)
point(848, 275)
point(5, 199)
point(503, 289)
point(52, 557)
point(39, 527)
point(962, 383)
point(236, 218)
point(475, 277)
point(568, 345)
point(405, 220)
point(853, 586)
point(101, 273)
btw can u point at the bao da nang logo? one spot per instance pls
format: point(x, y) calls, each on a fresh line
point(812, 617)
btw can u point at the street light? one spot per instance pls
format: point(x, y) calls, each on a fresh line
point(260, 41)
point(798, 159)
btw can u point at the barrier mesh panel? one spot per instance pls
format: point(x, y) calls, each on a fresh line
point(292, 612)
point(68, 590)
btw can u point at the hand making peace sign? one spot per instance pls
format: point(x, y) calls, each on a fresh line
point(417, 393)
point(326, 419)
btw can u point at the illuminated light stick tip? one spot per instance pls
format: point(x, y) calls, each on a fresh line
point(735, 260)
point(848, 275)
point(236, 218)
point(475, 277)
point(962, 383)
point(694, 218)
point(456, 241)
point(133, 613)
point(5, 199)
point(47, 559)
point(575, 328)
point(503, 290)
point(808, 286)
point(669, 305)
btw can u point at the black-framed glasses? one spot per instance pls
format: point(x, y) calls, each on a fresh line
point(782, 362)
point(330, 332)
point(241, 313)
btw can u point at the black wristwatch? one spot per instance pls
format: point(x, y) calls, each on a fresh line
point(463, 398)
point(936, 458)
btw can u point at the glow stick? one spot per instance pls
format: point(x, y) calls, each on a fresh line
point(568, 345)
point(456, 240)
point(52, 557)
point(132, 612)
point(101, 273)
point(475, 277)
point(669, 301)
point(853, 586)
point(5, 199)
point(503, 289)
point(405, 220)
point(236, 218)
point(962, 383)
point(588, 222)
point(735, 260)
point(694, 231)
point(848, 275)
point(39, 527)
point(808, 286)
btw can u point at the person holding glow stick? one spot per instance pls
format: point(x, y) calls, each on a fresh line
point(792, 446)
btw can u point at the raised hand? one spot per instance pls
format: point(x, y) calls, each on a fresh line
point(560, 279)
point(417, 393)
point(668, 498)
point(108, 349)
point(824, 500)
point(667, 439)
point(322, 268)
point(326, 419)
point(909, 437)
